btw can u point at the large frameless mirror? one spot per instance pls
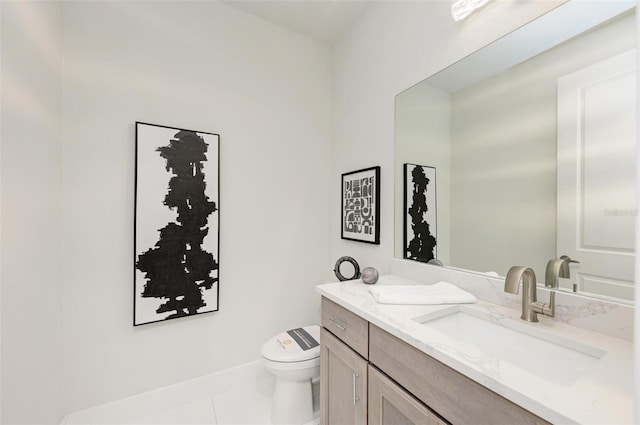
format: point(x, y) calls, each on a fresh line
point(528, 147)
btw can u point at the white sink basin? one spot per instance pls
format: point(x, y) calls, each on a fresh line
point(520, 344)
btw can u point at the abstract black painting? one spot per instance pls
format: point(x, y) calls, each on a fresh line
point(176, 243)
point(420, 225)
point(361, 205)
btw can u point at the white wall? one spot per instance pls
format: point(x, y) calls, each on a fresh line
point(636, 328)
point(208, 67)
point(197, 65)
point(31, 310)
point(393, 46)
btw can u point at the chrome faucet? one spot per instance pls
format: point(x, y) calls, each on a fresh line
point(530, 305)
point(557, 268)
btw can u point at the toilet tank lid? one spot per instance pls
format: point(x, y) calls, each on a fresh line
point(294, 345)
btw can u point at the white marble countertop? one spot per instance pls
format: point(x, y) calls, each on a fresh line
point(602, 395)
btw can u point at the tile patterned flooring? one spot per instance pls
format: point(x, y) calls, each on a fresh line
point(246, 405)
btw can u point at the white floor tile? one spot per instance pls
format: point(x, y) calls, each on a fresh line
point(246, 402)
point(199, 412)
point(248, 405)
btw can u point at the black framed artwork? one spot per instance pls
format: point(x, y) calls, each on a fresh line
point(420, 218)
point(176, 223)
point(360, 215)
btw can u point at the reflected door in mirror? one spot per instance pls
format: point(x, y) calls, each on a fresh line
point(596, 174)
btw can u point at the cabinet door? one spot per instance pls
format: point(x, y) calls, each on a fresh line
point(389, 404)
point(343, 383)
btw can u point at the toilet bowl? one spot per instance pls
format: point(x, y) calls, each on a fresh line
point(294, 358)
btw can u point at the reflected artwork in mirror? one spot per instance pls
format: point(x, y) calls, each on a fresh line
point(534, 139)
point(420, 226)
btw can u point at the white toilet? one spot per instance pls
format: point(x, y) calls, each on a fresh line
point(294, 357)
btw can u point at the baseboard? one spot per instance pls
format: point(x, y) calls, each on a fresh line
point(130, 409)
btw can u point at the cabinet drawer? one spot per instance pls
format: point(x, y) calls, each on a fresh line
point(350, 328)
point(449, 393)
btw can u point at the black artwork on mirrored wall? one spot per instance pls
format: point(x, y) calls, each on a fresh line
point(176, 244)
point(420, 219)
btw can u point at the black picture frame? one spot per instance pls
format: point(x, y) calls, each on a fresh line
point(360, 212)
point(420, 213)
point(176, 223)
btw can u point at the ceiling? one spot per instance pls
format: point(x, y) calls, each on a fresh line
point(325, 20)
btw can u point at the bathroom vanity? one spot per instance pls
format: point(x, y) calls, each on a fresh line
point(472, 363)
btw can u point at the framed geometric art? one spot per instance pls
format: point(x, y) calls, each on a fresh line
point(420, 218)
point(360, 215)
point(176, 223)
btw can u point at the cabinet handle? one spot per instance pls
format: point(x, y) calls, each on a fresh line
point(355, 397)
point(340, 325)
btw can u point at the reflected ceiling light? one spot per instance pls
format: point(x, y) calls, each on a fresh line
point(463, 8)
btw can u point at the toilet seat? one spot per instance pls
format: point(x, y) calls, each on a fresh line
point(296, 346)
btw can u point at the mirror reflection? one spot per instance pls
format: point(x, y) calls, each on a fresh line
point(533, 158)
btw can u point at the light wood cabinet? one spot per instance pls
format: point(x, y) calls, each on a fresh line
point(368, 376)
point(343, 383)
point(390, 404)
point(455, 397)
point(349, 327)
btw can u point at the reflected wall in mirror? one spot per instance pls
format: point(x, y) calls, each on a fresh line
point(534, 141)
